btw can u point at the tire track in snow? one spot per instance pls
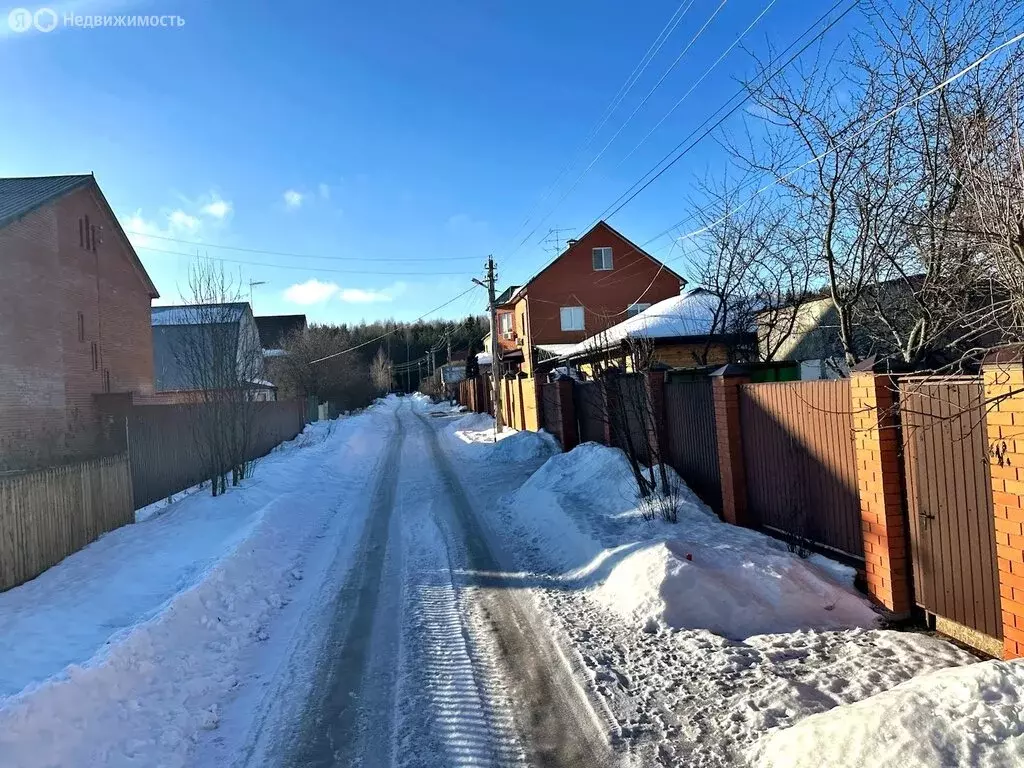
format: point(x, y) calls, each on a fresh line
point(335, 724)
point(556, 720)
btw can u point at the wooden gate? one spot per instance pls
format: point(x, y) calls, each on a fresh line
point(949, 501)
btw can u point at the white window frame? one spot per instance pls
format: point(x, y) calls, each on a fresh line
point(574, 313)
point(636, 308)
point(505, 325)
point(606, 266)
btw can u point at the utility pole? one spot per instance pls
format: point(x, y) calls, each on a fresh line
point(495, 367)
point(408, 368)
point(448, 338)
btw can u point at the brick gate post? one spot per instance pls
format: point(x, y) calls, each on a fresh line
point(726, 383)
point(1003, 374)
point(880, 488)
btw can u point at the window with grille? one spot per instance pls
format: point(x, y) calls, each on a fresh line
point(572, 318)
point(602, 259)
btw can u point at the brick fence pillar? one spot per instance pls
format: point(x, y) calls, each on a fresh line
point(1003, 374)
point(566, 413)
point(654, 380)
point(880, 489)
point(726, 383)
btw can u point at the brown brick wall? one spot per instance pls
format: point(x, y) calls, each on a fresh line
point(879, 487)
point(726, 389)
point(47, 372)
point(572, 281)
point(1004, 395)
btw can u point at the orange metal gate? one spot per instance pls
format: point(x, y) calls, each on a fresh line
point(949, 500)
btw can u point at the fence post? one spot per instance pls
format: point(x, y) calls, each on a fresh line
point(1003, 374)
point(880, 488)
point(726, 383)
point(654, 380)
point(566, 413)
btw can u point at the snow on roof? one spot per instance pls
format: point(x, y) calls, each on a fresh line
point(483, 358)
point(198, 314)
point(555, 349)
point(688, 314)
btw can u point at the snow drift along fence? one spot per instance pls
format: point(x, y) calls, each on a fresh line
point(161, 443)
point(49, 514)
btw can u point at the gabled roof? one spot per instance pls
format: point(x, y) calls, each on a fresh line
point(21, 195)
point(635, 249)
point(274, 329)
point(198, 314)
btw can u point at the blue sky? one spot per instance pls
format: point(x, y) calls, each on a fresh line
point(404, 140)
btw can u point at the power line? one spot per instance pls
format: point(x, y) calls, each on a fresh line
point(638, 70)
point(395, 330)
point(282, 253)
point(617, 206)
point(403, 273)
point(892, 113)
point(626, 122)
point(698, 81)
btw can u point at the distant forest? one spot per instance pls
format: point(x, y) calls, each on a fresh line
point(345, 379)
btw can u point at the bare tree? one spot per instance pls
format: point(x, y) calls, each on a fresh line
point(303, 372)
point(215, 345)
point(380, 371)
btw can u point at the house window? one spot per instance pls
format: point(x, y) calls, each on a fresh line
point(635, 309)
point(81, 327)
point(88, 232)
point(81, 233)
point(106, 380)
point(602, 259)
point(505, 325)
point(95, 356)
point(572, 318)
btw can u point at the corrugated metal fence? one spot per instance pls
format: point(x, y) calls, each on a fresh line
point(47, 515)
point(690, 433)
point(161, 440)
point(801, 471)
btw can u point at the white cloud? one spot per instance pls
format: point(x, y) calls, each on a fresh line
point(312, 291)
point(371, 296)
point(293, 198)
point(181, 220)
point(325, 191)
point(217, 208)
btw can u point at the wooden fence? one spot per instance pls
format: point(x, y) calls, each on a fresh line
point(801, 469)
point(162, 443)
point(49, 514)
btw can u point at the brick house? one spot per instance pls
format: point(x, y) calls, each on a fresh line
point(598, 281)
point(74, 315)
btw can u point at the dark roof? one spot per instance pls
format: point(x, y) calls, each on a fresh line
point(20, 196)
point(175, 346)
point(506, 294)
point(274, 329)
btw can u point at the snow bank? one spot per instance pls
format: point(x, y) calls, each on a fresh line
point(971, 715)
point(697, 574)
point(118, 655)
point(474, 435)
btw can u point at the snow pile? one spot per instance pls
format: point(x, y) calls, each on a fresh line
point(729, 589)
point(474, 434)
point(119, 655)
point(971, 715)
point(698, 574)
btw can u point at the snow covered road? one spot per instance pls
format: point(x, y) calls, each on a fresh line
point(395, 590)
